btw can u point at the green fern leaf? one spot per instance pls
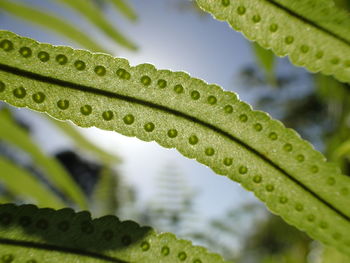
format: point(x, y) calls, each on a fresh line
point(55, 173)
point(52, 22)
point(200, 120)
point(41, 235)
point(21, 183)
point(125, 9)
point(266, 60)
point(313, 33)
point(90, 12)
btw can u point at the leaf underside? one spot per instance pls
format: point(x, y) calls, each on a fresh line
point(314, 34)
point(201, 121)
point(29, 234)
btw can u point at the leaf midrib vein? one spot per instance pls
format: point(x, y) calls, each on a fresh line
point(310, 22)
point(115, 95)
point(55, 248)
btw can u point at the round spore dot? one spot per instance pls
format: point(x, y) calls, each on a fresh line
point(145, 246)
point(300, 158)
point(228, 161)
point(225, 3)
point(241, 10)
point(197, 261)
point(289, 40)
point(310, 218)
point(258, 127)
point(243, 170)
point(273, 28)
point(25, 52)
point(212, 100)
point(42, 224)
point(193, 139)
point(330, 181)
point(209, 151)
point(2, 86)
point(129, 119)
point(172, 133)
point(314, 169)
point(257, 179)
point(63, 226)
point(61, 59)
point(5, 218)
point(319, 54)
point(43, 56)
point(6, 45)
point(20, 92)
point(145, 80)
point(228, 109)
point(123, 74)
point(299, 207)
point(347, 63)
point(108, 235)
point(335, 61)
point(288, 147)
point(87, 227)
point(195, 95)
point(8, 258)
point(323, 225)
point(126, 240)
point(162, 83)
point(25, 221)
point(273, 136)
point(79, 65)
point(344, 191)
point(165, 251)
point(107, 115)
point(178, 89)
point(283, 199)
point(63, 104)
point(182, 256)
point(243, 118)
point(304, 49)
point(100, 70)
point(336, 236)
point(270, 188)
point(149, 127)
point(86, 110)
point(256, 18)
point(39, 97)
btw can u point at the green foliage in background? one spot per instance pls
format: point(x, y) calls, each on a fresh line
point(87, 9)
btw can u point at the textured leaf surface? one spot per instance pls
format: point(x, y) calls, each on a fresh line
point(314, 34)
point(201, 121)
point(54, 172)
point(45, 235)
point(90, 12)
point(50, 21)
point(20, 182)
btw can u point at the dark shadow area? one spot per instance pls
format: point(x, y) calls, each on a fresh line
point(69, 232)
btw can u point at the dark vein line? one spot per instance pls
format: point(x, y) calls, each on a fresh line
point(54, 248)
point(308, 21)
point(114, 95)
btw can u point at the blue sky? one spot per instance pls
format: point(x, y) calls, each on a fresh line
point(169, 38)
